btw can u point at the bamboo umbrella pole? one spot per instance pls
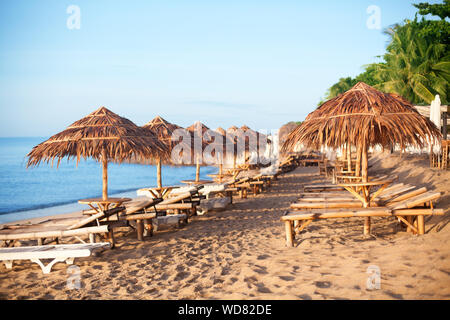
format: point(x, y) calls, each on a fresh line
point(158, 174)
point(364, 166)
point(364, 162)
point(220, 172)
point(219, 161)
point(358, 161)
point(105, 174)
point(197, 171)
point(349, 157)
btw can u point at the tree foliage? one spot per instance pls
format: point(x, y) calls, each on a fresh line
point(416, 64)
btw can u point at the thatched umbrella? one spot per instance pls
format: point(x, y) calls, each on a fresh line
point(363, 117)
point(205, 137)
point(248, 138)
point(163, 130)
point(103, 136)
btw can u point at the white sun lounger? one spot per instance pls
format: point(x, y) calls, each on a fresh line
point(59, 253)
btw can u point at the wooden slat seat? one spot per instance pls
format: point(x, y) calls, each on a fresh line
point(410, 211)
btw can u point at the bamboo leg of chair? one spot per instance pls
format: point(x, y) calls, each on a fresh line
point(367, 226)
point(303, 225)
point(289, 236)
point(148, 224)
point(140, 230)
point(421, 224)
point(295, 223)
point(410, 220)
point(110, 238)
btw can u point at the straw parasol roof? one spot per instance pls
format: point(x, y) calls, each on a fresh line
point(363, 115)
point(207, 137)
point(221, 131)
point(102, 130)
point(247, 139)
point(103, 136)
point(162, 129)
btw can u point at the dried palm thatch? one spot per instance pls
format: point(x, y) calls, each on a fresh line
point(363, 117)
point(217, 140)
point(163, 130)
point(221, 131)
point(103, 136)
point(248, 140)
point(202, 138)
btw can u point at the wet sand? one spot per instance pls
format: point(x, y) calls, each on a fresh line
point(240, 253)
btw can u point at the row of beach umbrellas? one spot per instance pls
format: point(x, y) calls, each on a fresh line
point(362, 117)
point(108, 137)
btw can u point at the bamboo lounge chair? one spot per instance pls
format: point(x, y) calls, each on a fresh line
point(329, 187)
point(42, 233)
point(184, 202)
point(55, 229)
point(137, 211)
point(407, 211)
point(343, 199)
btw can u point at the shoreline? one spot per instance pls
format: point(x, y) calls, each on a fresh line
point(52, 212)
point(74, 207)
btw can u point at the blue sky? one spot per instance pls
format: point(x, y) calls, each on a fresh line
point(259, 63)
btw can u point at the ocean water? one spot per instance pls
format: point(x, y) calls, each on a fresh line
point(46, 190)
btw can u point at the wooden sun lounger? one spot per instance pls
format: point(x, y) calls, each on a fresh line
point(59, 253)
point(322, 188)
point(407, 211)
point(238, 185)
point(182, 202)
point(42, 235)
point(347, 200)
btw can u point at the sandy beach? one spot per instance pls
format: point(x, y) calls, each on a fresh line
point(240, 253)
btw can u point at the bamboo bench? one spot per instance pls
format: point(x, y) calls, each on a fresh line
point(25, 234)
point(407, 211)
point(347, 200)
point(59, 253)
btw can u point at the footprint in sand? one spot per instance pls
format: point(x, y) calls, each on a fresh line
point(181, 275)
point(394, 295)
point(287, 278)
point(323, 284)
point(262, 288)
point(260, 270)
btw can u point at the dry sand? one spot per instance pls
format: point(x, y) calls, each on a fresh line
point(240, 253)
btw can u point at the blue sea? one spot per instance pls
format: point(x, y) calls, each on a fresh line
point(46, 190)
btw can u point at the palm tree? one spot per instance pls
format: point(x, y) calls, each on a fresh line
point(415, 67)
